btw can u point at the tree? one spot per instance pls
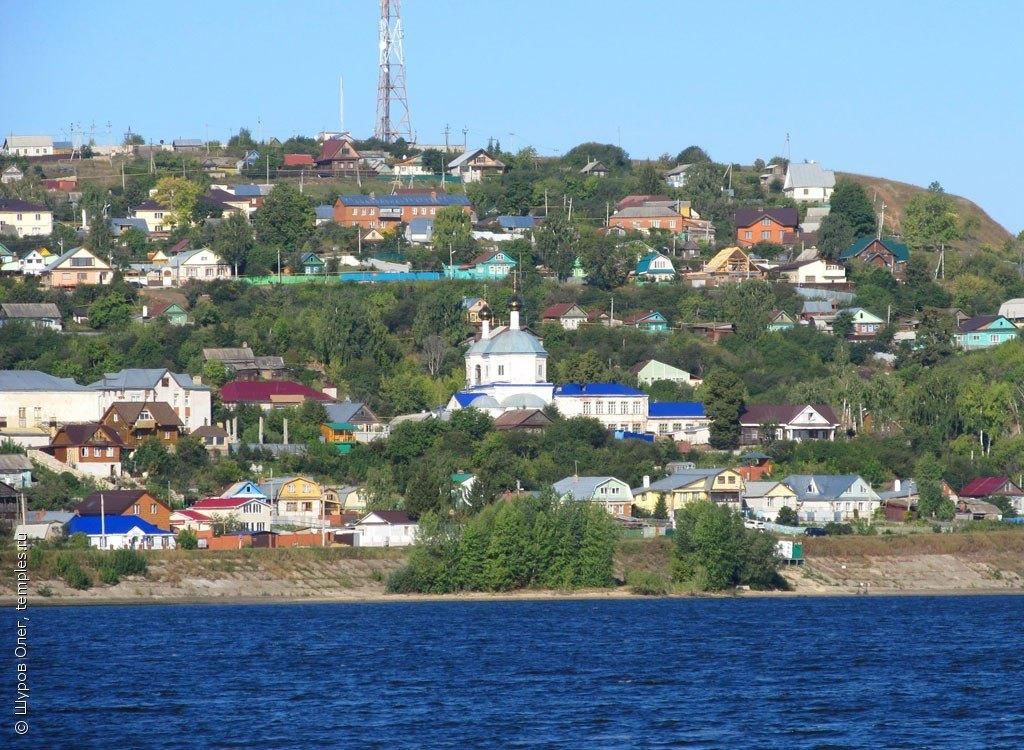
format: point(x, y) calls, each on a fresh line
point(850, 201)
point(610, 155)
point(930, 219)
point(692, 155)
point(834, 235)
point(842, 326)
point(435, 160)
point(582, 368)
point(660, 508)
point(649, 180)
point(453, 234)
point(433, 349)
point(556, 242)
point(110, 311)
point(787, 516)
point(180, 196)
point(286, 218)
point(232, 241)
point(187, 539)
point(724, 396)
point(714, 551)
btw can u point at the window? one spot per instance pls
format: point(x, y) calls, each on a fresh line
point(766, 235)
point(305, 487)
point(677, 426)
point(110, 452)
point(748, 235)
point(291, 507)
point(806, 191)
point(165, 381)
point(85, 452)
point(623, 407)
point(663, 428)
point(97, 452)
point(586, 408)
point(307, 507)
point(19, 217)
point(501, 369)
point(135, 510)
point(599, 407)
point(636, 407)
point(152, 509)
point(766, 222)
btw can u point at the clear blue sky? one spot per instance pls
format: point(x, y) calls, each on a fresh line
point(912, 90)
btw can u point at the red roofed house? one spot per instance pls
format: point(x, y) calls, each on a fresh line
point(755, 225)
point(984, 487)
point(298, 160)
point(269, 394)
point(789, 422)
point(249, 513)
point(190, 519)
point(567, 314)
point(338, 155)
point(90, 447)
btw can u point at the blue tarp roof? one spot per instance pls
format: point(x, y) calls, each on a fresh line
point(676, 409)
point(91, 526)
point(596, 389)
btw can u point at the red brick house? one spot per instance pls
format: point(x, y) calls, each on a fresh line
point(338, 155)
point(754, 225)
point(127, 503)
point(388, 211)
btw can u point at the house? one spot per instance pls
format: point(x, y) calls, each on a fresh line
point(11, 174)
point(324, 214)
point(33, 402)
point(214, 438)
point(754, 225)
point(191, 520)
point(411, 167)
point(119, 226)
point(681, 421)
point(569, 315)
point(866, 325)
point(655, 267)
point(679, 488)
point(10, 506)
point(518, 225)
point(644, 218)
point(616, 406)
point(15, 470)
point(298, 160)
point(312, 264)
point(729, 265)
point(136, 421)
point(169, 310)
point(24, 218)
point(523, 420)
point(819, 313)
point(270, 394)
point(808, 183)
point(189, 399)
point(28, 145)
point(984, 331)
point(243, 364)
point(676, 177)
point(755, 466)
point(420, 231)
point(388, 211)
point(613, 494)
point(244, 489)
point(187, 145)
point(338, 155)
point(712, 330)
point(46, 531)
point(385, 528)
point(986, 487)
point(488, 266)
point(787, 422)
point(824, 498)
point(880, 252)
point(158, 218)
point(201, 264)
point(650, 321)
point(35, 314)
point(766, 498)
point(35, 262)
point(780, 320)
point(90, 447)
point(365, 426)
point(900, 501)
point(976, 510)
point(594, 169)
point(811, 271)
point(473, 166)
point(137, 503)
point(121, 532)
point(348, 497)
point(298, 500)
point(1013, 310)
point(77, 267)
point(250, 513)
point(650, 371)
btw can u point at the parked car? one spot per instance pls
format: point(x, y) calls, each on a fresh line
point(815, 531)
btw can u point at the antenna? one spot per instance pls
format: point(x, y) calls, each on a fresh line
point(881, 221)
point(391, 88)
point(341, 102)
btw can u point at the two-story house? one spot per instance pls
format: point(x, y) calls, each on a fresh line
point(299, 500)
point(787, 422)
point(35, 262)
point(24, 218)
point(136, 421)
point(33, 402)
point(824, 498)
point(139, 503)
point(721, 486)
point(880, 252)
point(616, 406)
point(808, 183)
point(681, 421)
point(492, 265)
point(388, 211)
point(569, 315)
point(250, 513)
point(90, 447)
point(190, 400)
point(77, 267)
point(611, 493)
point(654, 266)
point(158, 218)
point(811, 271)
point(866, 324)
point(474, 165)
point(201, 264)
point(754, 225)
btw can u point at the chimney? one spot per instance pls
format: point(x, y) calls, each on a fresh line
point(330, 390)
point(647, 481)
point(261, 430)
point(285, 422)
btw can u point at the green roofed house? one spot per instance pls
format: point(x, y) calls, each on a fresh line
point(489, 266)
point(654, 267)
point(880, 252)
point(984, 331)
point(312, 264)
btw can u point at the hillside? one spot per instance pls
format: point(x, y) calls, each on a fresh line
point(897, 194)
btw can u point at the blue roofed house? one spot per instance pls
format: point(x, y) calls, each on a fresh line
point(616, 406)
point(823, 498)
point(492, 265)
point(681, 421)
point(654, 266)
point(324, 214)
point(518, 224)
point(121, 532)
point(880, 252)
point(984, 331)
point(420, 231)
point(613, 494)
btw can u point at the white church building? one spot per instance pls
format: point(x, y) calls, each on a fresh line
point(506, 368)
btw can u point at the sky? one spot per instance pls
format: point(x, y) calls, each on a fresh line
point(916, 90)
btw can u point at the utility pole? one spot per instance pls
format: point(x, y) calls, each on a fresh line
point(465, 141)
point(881, 221)
point(122, 175)
point(279, 264)
point(268, 168)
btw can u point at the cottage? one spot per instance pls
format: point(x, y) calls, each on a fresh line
point(880, 252)
point(77, 267)
point(992, 486)
point(348, 497)
point(364, 425)
point(754, 225)
point(977, 510)
point(24, 218)
point(488, 266)
point(137, 503)
point(523, 420)
point(15, 470)
point(616, 406)
point(136, 421)
point(681, 421)
point(811, 271)
point(312, 264)
point(822, 498)
point(712, 330)
point(411, 167)
point(809, 183)
point(650, 371)
point(270, 394)
point(766, 498)
point(866, 325)
point(780, 320)
point(594, 169)
point(819, 313)
point(189, 399)
point(121, 532)
point(676, 177)
point(11, 174)
point(90, 447)
point(650, 321)
point(385, 528)
point(36, 262)
point(569, 315)
point(35, 314)
point(214, 438)
point(473, 166)
point(244, 365)
point(678, 489)
point(755, 466)
point(169, 310)
point(613, 494)
point(338, 155)
point(201, 264)
point(787, 422)
point(250, 513)
point(299, 500)
point(298, 161)
point(984, 331)
point(654, 267)
point(28, 145)
point(192, 520)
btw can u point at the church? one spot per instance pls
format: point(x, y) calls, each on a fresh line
point(506, 368)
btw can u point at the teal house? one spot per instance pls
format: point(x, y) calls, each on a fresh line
point(780, 321)
point(984, 331)
point(880, 252)
point(493, 265)
point(312, 264)
point(654, 267)
point(174, 313)
point(651, 321)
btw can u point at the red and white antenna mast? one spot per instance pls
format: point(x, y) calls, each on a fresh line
point(392, 98)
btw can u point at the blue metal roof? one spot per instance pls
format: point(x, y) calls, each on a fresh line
point(517, 222)
point(91, 526)
point(596, 389)
point(676, 409)
point(424, 199)
point(139, 224)
point(324, 212)
point(247, 191)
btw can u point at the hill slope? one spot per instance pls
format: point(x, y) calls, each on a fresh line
point(896, 194)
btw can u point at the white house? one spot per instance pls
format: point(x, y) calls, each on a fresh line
point(813, 271)
point(190, 519)
point(36, 262)
point(385, 528)
point(11, 174)
point(795, 422)
point(766, 498)
point(1013, 310)
point(473, 165)
point(682, 421)
point(156, 216)
point(121, 532)
point(200, 265)
point(411, 167)
point(651, 370)
point(190, 400)
point(822, 498)
point(24, 219)
point(616, 406)
point(676, 177)
point(613, 494)
point(251, 514)
point(569, 315)
point(809, 183)
point(32, 401)
point(28, 145)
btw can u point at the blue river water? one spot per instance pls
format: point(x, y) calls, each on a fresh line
point(858, 672)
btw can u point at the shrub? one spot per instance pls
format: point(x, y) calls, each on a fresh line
point(44, 591)
point(109, 576)
point(126, 562)
point(838, 529)
point(35, 558)
point(646, 583)
point(77, 541)
point(787, 516)
point(187, 539)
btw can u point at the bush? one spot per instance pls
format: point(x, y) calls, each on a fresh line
point(70, 570)
point(787, 516)
point(646, 583)
point(77, 541)
point(35, 558)
point(109, 576)
point(44, 591)
point(126, 562)
point(187, 539)
point(838, 529)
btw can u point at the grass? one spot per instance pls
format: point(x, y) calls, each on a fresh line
point(966, 543)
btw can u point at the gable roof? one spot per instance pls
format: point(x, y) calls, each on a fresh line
point(640, 317)
point(783, 413)
point(161, 411)
point(561, 310)
point(471, 154)
point(522, 417)
point(517, 222)
point(809, 175)
point(262, 391)
point(389, 517)
point(30, 310)
point(14, 462)
point(787, 217)
point(345, 411)
point(718, 263)
point(985, 486)
point(143, 379)
point(112, 525)
point(644, 264)
point(298, 160)
point(16, 204)
point(899, 249)
point(80, 433)
point(980, 323)
point(581, 488)
point(810, 487)
point(114, 502)
point(209, 431)
point(682, 409)
point(435, 198)
point(684, 478)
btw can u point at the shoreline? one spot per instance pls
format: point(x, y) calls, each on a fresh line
point(523, 596)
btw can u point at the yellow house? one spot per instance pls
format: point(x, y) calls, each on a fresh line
point(723, 486)
point(299, 500)
point(766, 499)
point(349, 498)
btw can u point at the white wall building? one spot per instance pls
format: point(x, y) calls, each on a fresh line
point(24, 218)
point(32, 401)
point(385, 528)
point(252, 514)
point(36, 263)
point(28, 145)
point(612, 493)
point(190, 400)
point(617, 407)
point(195, 265)
point(809, 183)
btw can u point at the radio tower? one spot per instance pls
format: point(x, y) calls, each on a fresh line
point(391, 93)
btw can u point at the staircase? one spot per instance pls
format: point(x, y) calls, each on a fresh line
point(51, 463)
